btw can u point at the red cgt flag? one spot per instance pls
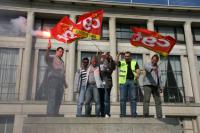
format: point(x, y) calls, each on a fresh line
point(152, 41)
point(90, 25)
point(62, 31)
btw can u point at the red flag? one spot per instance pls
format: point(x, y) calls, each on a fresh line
point(63, 31)
point(90, 24)
point(152, 41)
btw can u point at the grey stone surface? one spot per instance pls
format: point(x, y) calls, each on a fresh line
point(100, 125)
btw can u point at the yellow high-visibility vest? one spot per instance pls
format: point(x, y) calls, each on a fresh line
point(123, 70)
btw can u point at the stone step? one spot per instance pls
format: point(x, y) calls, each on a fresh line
point(100, 125)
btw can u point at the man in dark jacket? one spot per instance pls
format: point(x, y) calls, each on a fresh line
point(107, 65)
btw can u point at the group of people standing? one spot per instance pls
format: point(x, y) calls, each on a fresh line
point(93, 82)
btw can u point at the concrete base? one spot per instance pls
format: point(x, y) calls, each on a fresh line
point(100, 125)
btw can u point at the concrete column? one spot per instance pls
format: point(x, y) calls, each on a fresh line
point(18, 123)
point(26, 57)
point(195, 126)
point(71, 66)
point(198, 123)
point(187, 125)
point(191, 59)
point(186, 78)
point(113, 53)
point(150, 26)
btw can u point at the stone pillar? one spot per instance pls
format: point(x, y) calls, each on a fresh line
point(150, 26)
point(188, 125)
point(71, 66)
point(198, 123)
point(113, 53)
point(186, 79)
point(18, 123)
point(26, 57)
point(191, 59)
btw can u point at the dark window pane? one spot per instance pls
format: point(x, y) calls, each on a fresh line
point(171, 77)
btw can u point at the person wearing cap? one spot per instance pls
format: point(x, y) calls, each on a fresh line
point(152, 85)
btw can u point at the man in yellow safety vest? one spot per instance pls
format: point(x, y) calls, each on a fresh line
point(129, 73)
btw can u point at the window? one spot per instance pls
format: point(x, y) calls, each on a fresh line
point(124, 31)
point(8, 73)
point(6, 124)
point(6, 26)
point(196, 34)
point(41, 84)
point(173, 31)
point(198, 60)
point(89, 55)
point(45, 24)
point(171, 79)
point(105, 32)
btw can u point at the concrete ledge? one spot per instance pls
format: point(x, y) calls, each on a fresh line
point(100, 125)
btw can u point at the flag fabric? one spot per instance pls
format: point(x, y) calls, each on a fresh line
point(152, 41)
point(89, 25)
point(63, 31)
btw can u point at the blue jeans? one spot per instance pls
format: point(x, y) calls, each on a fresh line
point(92, 92)
point(125, 89)
point(81, 99)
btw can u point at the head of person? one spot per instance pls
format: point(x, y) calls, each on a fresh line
point(127, 56)
point(154, 59)
point(59, 52)
point(94, 61)
point(105, 55)
point(85, 62)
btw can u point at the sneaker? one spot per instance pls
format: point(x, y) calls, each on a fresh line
point(107, 116)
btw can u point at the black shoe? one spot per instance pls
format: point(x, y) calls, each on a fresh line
point(134, 116)
point(122, 115)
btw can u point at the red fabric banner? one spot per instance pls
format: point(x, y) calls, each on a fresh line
point(90, 25)
point(152, 41)
point(62, 31)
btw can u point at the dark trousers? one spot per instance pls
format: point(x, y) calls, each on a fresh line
point(55, 95)
point(104, 101)
point(148, 90)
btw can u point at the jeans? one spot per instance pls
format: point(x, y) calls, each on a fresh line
point(81, 99)
point(92, 92)
point(156, 95)
point(125, 89)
